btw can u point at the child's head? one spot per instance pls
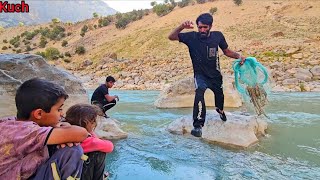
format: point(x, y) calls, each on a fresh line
point(83, 115)
point(40, 101)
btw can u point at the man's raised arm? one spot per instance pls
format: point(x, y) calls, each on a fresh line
point(173, 36)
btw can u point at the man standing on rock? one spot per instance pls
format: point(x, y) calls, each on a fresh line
point(203, 49)
point(101, 97)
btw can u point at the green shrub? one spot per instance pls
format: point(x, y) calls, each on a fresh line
point(43, 42)
point(5, 41)
point(64, 43)
point(184, 3)
point(95, 15)
point(69, 33)
point(237, 2)
point(56, 33)
point(82, 34)
point(201, 1)
point(80, 50)
point(153, 3)
point(67, 54)
point(30, 35)
point(52, 53)
point(103, 22)
point(4, 48)
point(84, 28)
point(18, 51)
point(67, 60)
point(162, 9)
point(122, 22)
point(213, 10)
point(16, 44)
point(55, 20)
point(15, 40)
point(26, 42)
point(28, 48)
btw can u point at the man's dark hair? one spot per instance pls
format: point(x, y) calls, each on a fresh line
point(205, 18)
point(37, 94)
point(110, 78)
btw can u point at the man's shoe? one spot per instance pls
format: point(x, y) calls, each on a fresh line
point(223, 116)
point(197, 132)
point(106, 116)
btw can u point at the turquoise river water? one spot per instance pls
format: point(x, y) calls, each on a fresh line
point(291, 150)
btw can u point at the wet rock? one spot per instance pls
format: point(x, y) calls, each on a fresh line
point(237, 131)
point(109, 129)
point(17, 68)
point(181, 94)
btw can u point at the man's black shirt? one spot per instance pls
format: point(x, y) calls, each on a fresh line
point(99, 94)
point(204, 52)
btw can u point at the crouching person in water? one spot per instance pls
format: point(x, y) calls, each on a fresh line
point(85, 115)
point(28, 142)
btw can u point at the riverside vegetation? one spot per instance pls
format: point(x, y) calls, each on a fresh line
point(133, 47)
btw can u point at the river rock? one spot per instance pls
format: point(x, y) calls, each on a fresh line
point(315, 72)
point(237, 131)
point(181, 94)
point(109, 129)
point(17, 68)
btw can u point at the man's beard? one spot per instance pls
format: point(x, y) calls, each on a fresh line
point(204, 35)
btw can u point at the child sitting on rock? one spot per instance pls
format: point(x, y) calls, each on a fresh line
point(85, 115)
point(28, 142)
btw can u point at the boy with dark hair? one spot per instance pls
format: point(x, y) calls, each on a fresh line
point(28, 142)
point(203, 49)
point(101, 97)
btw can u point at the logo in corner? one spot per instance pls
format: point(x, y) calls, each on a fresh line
point(6, 7)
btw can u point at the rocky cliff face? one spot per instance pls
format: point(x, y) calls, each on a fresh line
point(17, 68)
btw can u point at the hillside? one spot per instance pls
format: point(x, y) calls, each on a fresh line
point(283, 35)
point(42, 11)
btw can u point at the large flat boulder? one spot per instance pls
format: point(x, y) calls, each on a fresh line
point(109, 129)
point(17, 68)
point(181, 94)
point(237, 131)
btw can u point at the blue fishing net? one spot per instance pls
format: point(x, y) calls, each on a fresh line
point(250, 80)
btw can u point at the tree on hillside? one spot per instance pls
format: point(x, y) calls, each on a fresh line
point(64, 43)
point(80, 50)
point(52, 53)
point(184, 3)
point(55, 20)
point(213, 10)
point(122, 22)
point(95, 15)
point(153, 3)
point(201, 1)
point(21, 24)
point(237, 2)
point(162, 9)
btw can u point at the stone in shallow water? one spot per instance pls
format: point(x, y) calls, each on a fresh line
point(109, 129)
point(237, 131)
point(181, 94)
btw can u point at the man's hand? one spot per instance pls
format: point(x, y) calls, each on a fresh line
point(67, 144)
point(243, 59)
point(187, 25)
point(116, 97)
point(65, 124)
point(62, 124)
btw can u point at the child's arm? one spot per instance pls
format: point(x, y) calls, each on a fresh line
point(67, 134)
point(95, 144)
